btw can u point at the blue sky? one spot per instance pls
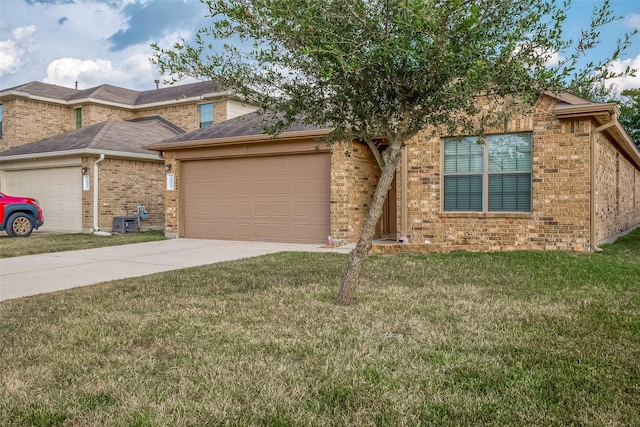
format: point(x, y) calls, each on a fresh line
point(107, 41)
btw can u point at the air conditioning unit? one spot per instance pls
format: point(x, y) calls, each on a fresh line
point(125, 224)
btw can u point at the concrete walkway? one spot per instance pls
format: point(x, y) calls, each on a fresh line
point(35, 274)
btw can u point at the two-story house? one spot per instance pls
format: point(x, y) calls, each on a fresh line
point(79, 152)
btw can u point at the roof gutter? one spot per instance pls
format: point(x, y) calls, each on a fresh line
point(315, 133)
point(139, 156)
point(570, 111)
point(592, 181)
point(115, 104)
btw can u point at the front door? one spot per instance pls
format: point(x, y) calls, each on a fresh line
point(388, 225)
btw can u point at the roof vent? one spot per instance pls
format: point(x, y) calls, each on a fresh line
point(157, 82)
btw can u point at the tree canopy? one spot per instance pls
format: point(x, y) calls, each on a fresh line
point(386, 69)
point(630, 113)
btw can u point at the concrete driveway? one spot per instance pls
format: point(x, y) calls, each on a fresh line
point(35, 274)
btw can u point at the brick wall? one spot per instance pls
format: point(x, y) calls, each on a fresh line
point(123, 185)
point(354, 175)
point(636, 197)
point(617, 190)
point(186, 116)
point(171, 197)
point(96, 113)
point(26, 121)
point(560, 217)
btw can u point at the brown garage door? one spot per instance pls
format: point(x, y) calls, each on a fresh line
point(277, 198)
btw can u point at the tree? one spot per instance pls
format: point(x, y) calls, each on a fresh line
point(630, 113)
point(383, 70)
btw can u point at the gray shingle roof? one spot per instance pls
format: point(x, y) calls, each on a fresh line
point(109, 93)
point(172, 93)
point(245, 125)
point(112, 135)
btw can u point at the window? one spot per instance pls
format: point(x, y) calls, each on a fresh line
point(0, 120)
point(206, 115)
point(78, 118)
point(490, 177)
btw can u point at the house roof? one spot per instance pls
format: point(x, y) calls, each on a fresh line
point(248, 127)
point(115, 95)
point(571, 106)
point(570, 99)
point(112, 136)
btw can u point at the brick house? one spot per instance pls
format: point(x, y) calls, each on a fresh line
point(564, 176)
point(57, 143)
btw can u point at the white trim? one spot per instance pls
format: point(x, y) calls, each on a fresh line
point(78, 152)
point(95, 192)
point(74, 102)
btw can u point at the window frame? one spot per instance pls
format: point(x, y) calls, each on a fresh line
point(206, 123)
point(1, 119)
point(78, 113)
point(485, 174)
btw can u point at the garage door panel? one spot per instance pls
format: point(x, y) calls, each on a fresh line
point(280, 187)
point(280, 210)
point(262, 198)
point(59, 191)
point(241, 230)
point(262, 209)
point(302, 209)
point(282, 231)
point(243, 209)
point(221, 209)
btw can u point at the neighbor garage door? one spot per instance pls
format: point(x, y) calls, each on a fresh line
point(276, 198)
point(59, 191)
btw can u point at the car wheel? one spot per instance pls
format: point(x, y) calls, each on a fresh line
point(19, 225)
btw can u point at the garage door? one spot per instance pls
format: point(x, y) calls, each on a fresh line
point(59, 191)
point(276, 199)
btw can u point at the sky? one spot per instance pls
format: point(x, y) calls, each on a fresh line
point(93, 42)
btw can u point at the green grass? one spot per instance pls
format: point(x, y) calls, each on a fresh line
point(47, 243)
point(462, 339)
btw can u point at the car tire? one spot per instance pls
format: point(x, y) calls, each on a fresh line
point(19, 224)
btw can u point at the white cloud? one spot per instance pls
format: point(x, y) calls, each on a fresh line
point(67, 71)
point(133, 71)
point(628, 82)
point(554, 59)
point(169, 39)
point(633, 20)
point(14, 51)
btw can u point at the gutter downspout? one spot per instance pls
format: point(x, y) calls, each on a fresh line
point(592, 181)
point(95, 193)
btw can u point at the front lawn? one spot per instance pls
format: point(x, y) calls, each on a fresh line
point(464, 339)
point(46, 243)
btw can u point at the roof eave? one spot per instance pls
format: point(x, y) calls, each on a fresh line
point(603, 113)
point(203, 97)
point(629, 147)
point(244, 139)
point(84, 151)
point(211, 95)
point(572, 111)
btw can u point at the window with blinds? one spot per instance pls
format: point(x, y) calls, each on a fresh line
point(494, 176)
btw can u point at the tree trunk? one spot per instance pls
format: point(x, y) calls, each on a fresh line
point(359, 254)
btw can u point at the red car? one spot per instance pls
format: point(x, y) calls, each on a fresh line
point(19, 215)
